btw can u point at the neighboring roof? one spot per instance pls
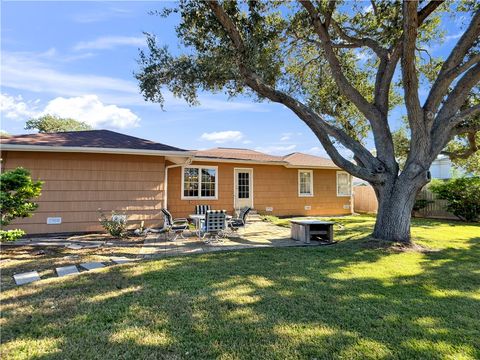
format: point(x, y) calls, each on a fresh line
point(299, 159)
point(296, 159)
point(237, 154)
point(104, 139)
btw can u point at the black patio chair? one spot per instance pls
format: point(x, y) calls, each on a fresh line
point(177, 226)
point(236, 223)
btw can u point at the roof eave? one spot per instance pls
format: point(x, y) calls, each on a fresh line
point(98, 150)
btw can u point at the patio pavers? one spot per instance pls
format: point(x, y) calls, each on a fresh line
point(66, 270)
point(92, 265)
point(25, 278)
point(121, 259)
point(257, 234)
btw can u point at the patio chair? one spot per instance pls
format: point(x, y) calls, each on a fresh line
point(215, 224)
point(236, 223)
point(178, 225)
point(201, 209)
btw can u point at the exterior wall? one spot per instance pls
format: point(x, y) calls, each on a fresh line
point(77, 185)
point(273, 186)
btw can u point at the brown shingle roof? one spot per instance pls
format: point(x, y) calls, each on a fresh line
point(88, 139)
point(300, 159)
point(237, 154)
point(295, 159)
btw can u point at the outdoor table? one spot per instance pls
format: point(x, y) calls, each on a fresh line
point(197, 219)
point(302, 230)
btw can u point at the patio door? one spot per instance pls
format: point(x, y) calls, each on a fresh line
point(243, 188)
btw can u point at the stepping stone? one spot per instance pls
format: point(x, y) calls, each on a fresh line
point(25, 278)
point(121, 259)
point(92, 265)
point(74, 247)
point(66, 270)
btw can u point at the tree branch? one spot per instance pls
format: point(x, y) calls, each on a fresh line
point(457, 97)
point(409, 71)
point(452, 67)
point(320, 127)
point(473, 147)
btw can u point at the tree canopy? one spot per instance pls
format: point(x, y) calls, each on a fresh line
point(51, 123)
point(341, 67)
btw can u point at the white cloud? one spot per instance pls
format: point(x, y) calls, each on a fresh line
point(16, 108)
point(90, 109)
point(99, 16)
point(36, 72)
point(454, 36)
point(110, 42)
point(285, 137)
point(23, 71)
point(87, 108)
point(222, 136)
point(317, 150)
point(277, 149)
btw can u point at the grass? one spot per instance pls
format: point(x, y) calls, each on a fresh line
point(356, 299)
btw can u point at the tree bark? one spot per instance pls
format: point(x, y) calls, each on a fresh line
point(395, 204)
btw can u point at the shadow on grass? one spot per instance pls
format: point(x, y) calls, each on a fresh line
point(259, 304)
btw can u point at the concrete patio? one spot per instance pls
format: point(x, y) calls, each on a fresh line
point(256, 235)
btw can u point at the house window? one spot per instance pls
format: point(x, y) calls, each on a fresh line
point(199, 182)
point(344, 184)
point(305, 183)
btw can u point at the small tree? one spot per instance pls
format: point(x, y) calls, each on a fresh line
point(462, 195)
point(17, 189)
point(51, 123)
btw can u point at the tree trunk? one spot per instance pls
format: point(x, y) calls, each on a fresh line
point(395, 205)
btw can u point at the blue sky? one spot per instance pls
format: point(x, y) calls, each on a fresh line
point(77, 59)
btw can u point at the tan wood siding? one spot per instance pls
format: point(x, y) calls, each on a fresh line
point(77, 185)
point(273, 186)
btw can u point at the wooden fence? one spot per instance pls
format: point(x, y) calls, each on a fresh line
point(365, 201)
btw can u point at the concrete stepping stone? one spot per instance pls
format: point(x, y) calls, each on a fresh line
point(121, 259)
point(67, 270)
point(74, 247)
point(25, 278)
point(92, 265)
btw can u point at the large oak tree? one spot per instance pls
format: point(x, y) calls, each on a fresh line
point(309, 56)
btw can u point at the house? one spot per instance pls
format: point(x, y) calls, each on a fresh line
point(85, 171)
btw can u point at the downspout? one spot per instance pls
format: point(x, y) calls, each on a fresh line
point(165, 181)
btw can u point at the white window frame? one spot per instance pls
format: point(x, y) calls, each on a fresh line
point(199, 167)
point(349, 179)
point(311, 183)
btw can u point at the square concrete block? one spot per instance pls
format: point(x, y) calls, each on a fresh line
point(25, 278)
point(121, 259)
point(66, 270)
point(92, 265)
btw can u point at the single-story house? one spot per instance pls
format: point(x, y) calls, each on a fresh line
point(84, 171)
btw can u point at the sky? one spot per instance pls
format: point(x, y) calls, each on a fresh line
point(78, 59)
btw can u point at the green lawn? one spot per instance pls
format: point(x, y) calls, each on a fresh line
point(357, 299)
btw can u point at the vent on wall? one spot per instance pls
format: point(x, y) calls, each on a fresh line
point(270, 209)
point(54, 220)
point(308, 207)
point(346, 206)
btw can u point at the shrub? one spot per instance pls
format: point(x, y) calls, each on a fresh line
point(17, 189)
point(420, 204)
point(11, 235)
point(462, 195)
point(116, 225)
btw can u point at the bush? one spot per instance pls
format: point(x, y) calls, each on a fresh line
point(116, 225)
point(11, 235)
point(17, 189)
point(462, 195)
